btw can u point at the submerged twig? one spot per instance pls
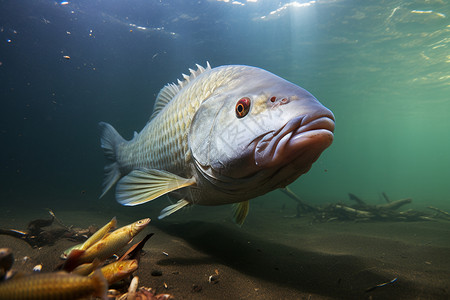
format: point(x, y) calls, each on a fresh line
point(357, 212)
point(386, 197)
point(443, 212)
point(357, 199)
point(300, 204)
point(395, 204)
point(381, 285)
point(57, 220)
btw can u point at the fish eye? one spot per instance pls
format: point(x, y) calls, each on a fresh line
point(242, 107)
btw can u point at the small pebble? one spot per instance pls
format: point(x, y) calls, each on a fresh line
point(196, 288)
point(37, 268)
point(156, 273)
point(213, 279)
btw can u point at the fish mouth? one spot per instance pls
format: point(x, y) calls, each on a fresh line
point(300, 141)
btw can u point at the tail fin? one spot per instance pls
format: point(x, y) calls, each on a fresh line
point(110, 138)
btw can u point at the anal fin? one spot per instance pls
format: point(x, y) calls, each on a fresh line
point(173, 208)
point(141, 186)
point(240, 212)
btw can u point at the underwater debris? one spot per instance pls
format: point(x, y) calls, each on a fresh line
point(196, 288)
point(301, 206)
point(36, 236)
point(156, 273)
point(133, 287)
point(361, 211)
point(386, 197)
point(441, 213)
point(35, 226)
point(381, 285)
point(56, 219)
point(143, 293)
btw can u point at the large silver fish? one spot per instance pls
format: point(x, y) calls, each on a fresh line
point(222, 135)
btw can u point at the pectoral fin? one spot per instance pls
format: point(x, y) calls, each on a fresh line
point(141, 186)
point(173, 208)
point(241, 212)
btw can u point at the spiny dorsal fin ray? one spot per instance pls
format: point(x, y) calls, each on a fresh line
point(166, 94)
point(169, 91)
point(144, 185)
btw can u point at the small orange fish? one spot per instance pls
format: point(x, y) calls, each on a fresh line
point(98, 235)
point(119, 270)
point(49, 286)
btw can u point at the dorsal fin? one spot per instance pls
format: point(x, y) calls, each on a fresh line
point(165, 95)
point(169, 91)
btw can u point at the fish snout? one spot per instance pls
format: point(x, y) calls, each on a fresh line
point(301, 141)
point(319, 119)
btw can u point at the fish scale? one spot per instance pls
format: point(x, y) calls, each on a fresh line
point(163, 142)
point(48, 286)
